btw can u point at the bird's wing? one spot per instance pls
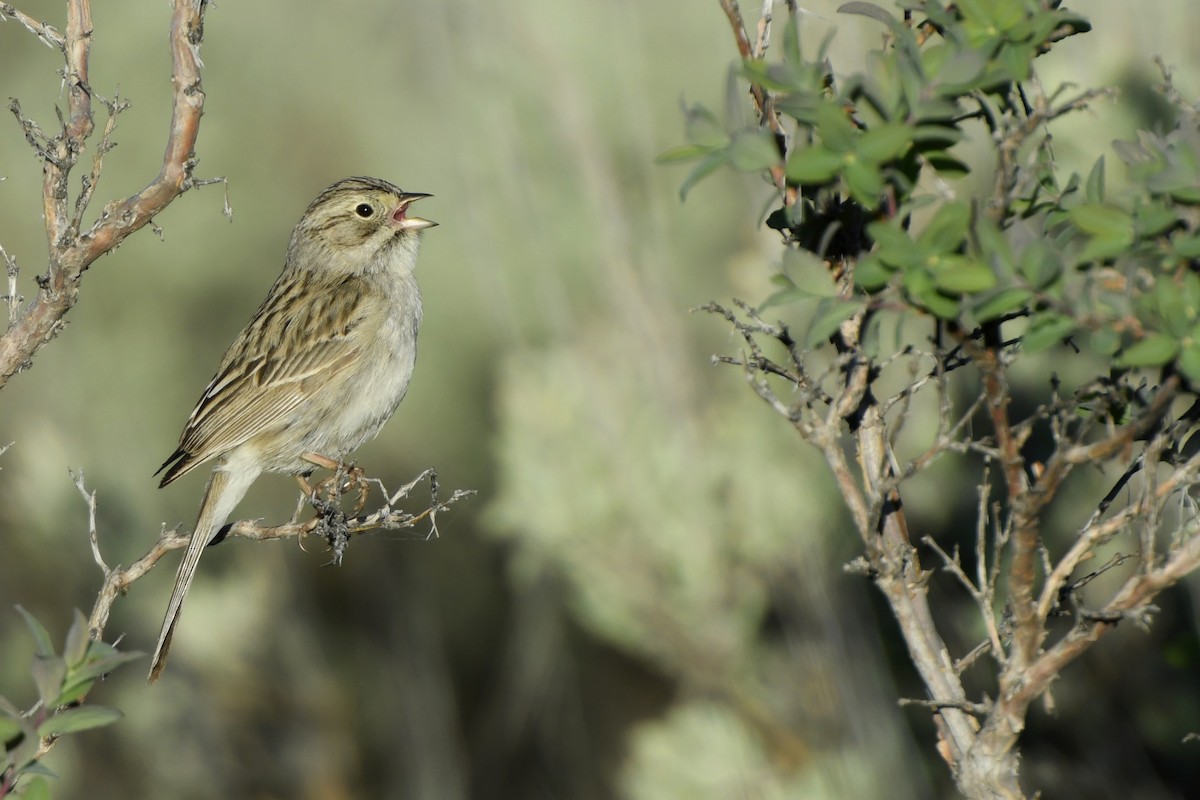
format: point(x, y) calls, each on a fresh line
point(290, 351)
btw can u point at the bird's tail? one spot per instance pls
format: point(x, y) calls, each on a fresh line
point(225, 490)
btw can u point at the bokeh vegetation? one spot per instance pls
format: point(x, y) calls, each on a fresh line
point(646, 600)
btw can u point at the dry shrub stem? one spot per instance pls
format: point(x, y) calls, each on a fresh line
point(330, 524)
point(72, 248)
point(1017, 606)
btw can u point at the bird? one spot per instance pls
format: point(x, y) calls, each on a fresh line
point(320, 367)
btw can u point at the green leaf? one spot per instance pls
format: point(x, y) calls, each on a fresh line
point(957, 275)
point(1101, 220)
point(1040, 265)
point(1186, 246)
point(1017, 61)
point(884, 142)
point(1155, 349)
point(831, 313)
point(1106, 246)
point(38, 768)
point(1187, 194)
point(41, 638)
point(753, 151)
point(896, 249)
point(836, 129)
point(1152, 219)
point(947, 230)
point(683, 152)
point(947, 165)
point(996, 304)
point(815, 164)
point(870, 274)
point(864, 182)
point(923, 291)
point(935, 136)
point(993, 247)
point(101, 660)
point(792, 52)
point(702, 171)
point(1189, 361)
point(703, 128)
point(772, 77)
point(9, 728)
point(78, 636)
point(48, 674)
point(1046, 330)
point(1095, 182)
point(867, 10)
point(74, 720)
point(1191, 294)
point(1105, 341)
point(1172, 306)
point(35, 789)
point(959, 72)
point(783, 297)
point(809, 273)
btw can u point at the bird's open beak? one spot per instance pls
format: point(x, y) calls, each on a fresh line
point(405, 222)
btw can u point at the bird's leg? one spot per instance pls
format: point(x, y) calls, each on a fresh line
point(314, 492)
point(364, 489)
point(344, 476)
point(320, 460)
point(306, 493)
point(354, 476)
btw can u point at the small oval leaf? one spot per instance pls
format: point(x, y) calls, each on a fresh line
point(1189, 362)
point(702, 171)
point(41, 637)
point(753, 151)
point(78, 719)
point(1000, 303)
point(1047, 330)
point(870, 274)
point(813, 165)
point(831, 313)
point(864, 182)
point(683, 152)
point(884, 142)
point(1154, 350)
point(1100, 219)
point(867, 10)
point(947, 230)
point(78, 636)
point(48, 674)
point(961, 276)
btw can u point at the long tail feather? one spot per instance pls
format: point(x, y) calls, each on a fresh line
point(225, 490)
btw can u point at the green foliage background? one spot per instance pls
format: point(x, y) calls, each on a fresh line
point(645, 600)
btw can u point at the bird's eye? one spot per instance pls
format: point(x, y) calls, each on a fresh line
point(364, 210)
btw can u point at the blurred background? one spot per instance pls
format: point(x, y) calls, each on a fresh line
point(645, 598)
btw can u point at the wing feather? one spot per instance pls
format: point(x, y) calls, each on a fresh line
point(300, 332)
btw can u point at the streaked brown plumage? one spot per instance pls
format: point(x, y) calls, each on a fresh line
point(320, 367)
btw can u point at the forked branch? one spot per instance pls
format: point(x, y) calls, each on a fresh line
point(73, 249)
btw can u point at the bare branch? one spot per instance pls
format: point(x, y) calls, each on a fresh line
point(329, 525)
point(976, 709)
point(72, 251)
point(49, 36)
point(93, 538)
